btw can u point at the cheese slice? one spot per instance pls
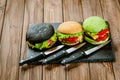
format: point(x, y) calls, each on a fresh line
point(95, 37)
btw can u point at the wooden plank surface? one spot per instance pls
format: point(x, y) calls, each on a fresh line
point(98, 71)
point(2, 10)
point(109, 66)
point(15, 17)
point(11, 39)
point(33, 14)
point(53, 13)
point(73, 11)
point(113, 15)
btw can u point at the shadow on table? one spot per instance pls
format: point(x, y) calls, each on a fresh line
point(49, 67)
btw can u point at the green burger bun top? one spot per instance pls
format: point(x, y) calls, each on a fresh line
point(40, 36)
point(96, 30)
point(94, 24)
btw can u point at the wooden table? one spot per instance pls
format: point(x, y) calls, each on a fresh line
point(16, 15)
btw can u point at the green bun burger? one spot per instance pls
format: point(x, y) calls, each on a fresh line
point(96, 30)
point(70, 33)
point(41, 36)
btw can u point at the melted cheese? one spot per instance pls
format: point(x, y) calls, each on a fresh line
point(95, 37)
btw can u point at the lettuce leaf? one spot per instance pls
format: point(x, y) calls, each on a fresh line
point(30, 45)
point(90, 33)
point(54, 37)
point(62, 36)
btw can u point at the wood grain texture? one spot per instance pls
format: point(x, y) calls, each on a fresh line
point(91, 8)
point(73, 11)
point(33, 14)
point(2, 11)
point(11, 39)
point(15, 17)
point(109, 65)
point(53, 13)
point(98, 71)
point(113, 16)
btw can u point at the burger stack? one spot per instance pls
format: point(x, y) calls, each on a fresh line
point(43, 36)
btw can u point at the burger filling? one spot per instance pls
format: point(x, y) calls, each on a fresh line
point(45, 44)
point(70, 38)
point(100, 36)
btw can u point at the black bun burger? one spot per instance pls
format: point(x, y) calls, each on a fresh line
point(70, 33)
point(96, 30)
point(41, 36)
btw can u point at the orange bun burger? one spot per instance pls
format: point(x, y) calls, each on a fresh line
point(70, 33)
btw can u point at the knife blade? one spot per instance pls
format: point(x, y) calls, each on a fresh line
point(40, 55)
point(61, 54)
point(82, 53)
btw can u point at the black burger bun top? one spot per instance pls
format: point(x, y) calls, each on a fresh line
point(39, 32)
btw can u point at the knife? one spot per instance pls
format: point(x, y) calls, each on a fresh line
point(40, 55)
point(82, 53)
point(61, 54)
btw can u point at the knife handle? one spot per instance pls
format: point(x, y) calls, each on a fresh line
point(73, 57)
point(54, 57)
point(31, 58)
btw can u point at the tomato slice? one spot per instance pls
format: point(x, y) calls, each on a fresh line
point(49, 42)
point(103, 32)
point(71, 40)
point(102, 35)
point(102, 38)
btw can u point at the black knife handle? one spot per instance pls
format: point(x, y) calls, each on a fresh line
point(54, 57)
point(73, 57)
point(32, 58)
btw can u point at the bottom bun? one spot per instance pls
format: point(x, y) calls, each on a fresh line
point(95, 42)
